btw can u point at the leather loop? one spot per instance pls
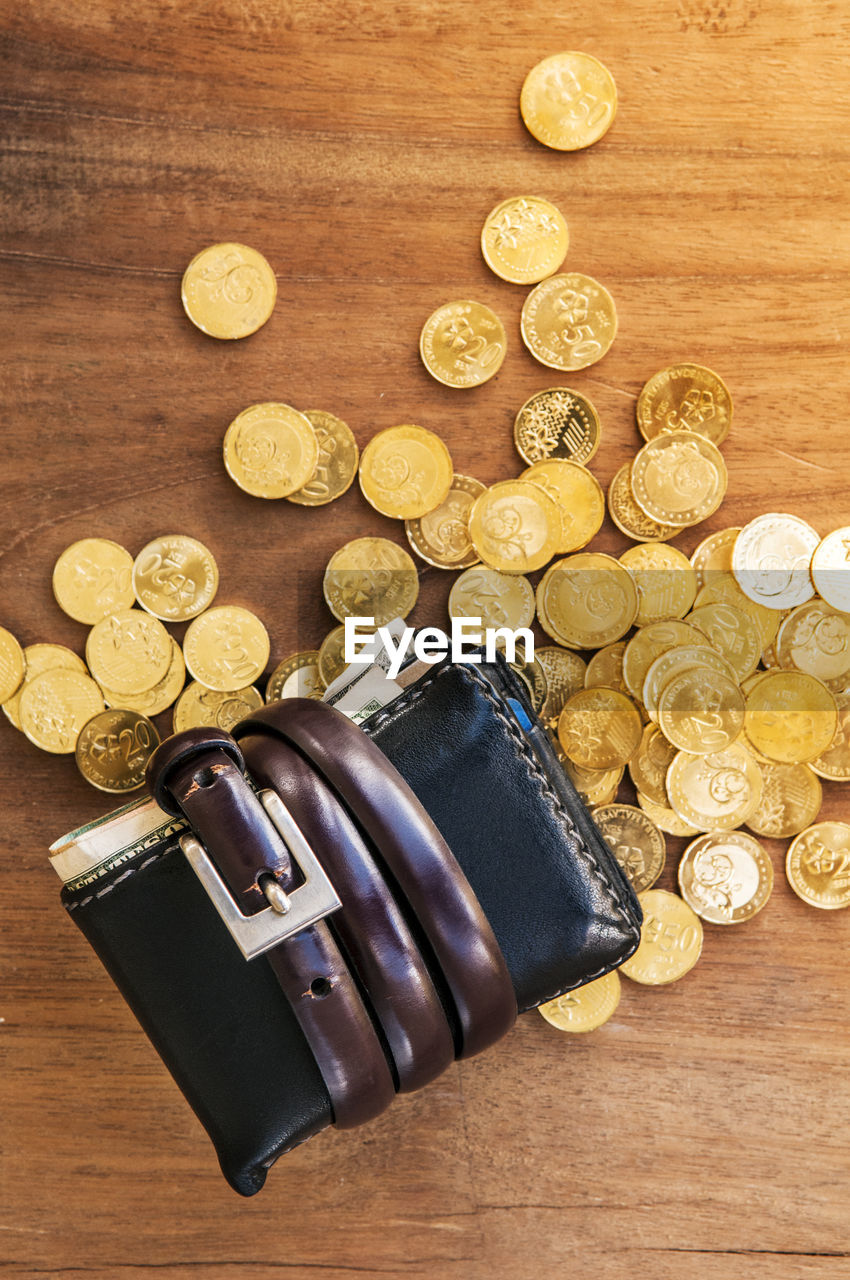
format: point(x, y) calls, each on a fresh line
point(416, 855)
point(370, 924)
point(180, 749)
point(230, 821)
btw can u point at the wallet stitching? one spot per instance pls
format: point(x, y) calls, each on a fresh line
point(131, 871)
point(523, 752)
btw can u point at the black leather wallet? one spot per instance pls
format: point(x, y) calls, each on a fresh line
point(465, 739)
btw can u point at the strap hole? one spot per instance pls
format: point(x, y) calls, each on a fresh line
point(204, 777)
point(320, 987)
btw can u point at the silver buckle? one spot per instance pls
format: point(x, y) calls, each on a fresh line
point(287, 913)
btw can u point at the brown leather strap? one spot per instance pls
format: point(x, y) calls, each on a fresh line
point(208, 786)
point(416, 855)
point(370, 923)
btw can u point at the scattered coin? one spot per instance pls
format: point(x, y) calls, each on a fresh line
point(39, 658)
point(331, 657)
point(498, 599)
point(790, 717)
point(790, 800)
point(665, 581)
point(152, 701)
point(296, 677)
point(649, 643)
point(270, 450)
point(717, 791)
point(568, 101)
point(129, 652)
point(228, 290)
point(815, 638)
point(463, 344)
point(370, 578)
point(54, 707)
point(586, 601)
point(636, 842)
point(606, 668)
point(585, 1008)
point(830, 569)
point(818, 865)
point(701, 711)
point(337, 464)
point(569, 321)
point(565, 675)
point(731, 632)
point(834, 762)
point(524, 239)
point(628, 516)
point(441, 537)
point(599, 728)
point(515, 526)
point(722, 588)
point(202, 708)
point(93, 578)
point(226, 648)
point(714, 555)
point(576, 493)
point(685, 397)
point(725, 877)
point(175, 577)
point(12, 665)
point(405, 472)
point(679, 478)
point(672, 663)
point(771, 559)
point(113, 749)
point(670, 939)
point(557, 423)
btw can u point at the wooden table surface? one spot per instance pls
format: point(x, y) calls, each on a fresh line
point(703, 1132)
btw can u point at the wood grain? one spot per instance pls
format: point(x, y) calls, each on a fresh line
point(704, 1131)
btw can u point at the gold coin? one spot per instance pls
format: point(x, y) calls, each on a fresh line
point(771, 560)
point(557, 423)
point(830, 569)
point(226, 648)
point(524, 239)
point(606, 668)
point(331, 656)
point(228, 290)
point(128, 652)
point(463, 344)
point(568, 101)
point(54, 707)
point(685, 397)
point(666, 583)
point(569, 321)
point(405, 472)
point(635, 841)
point(648, 766)
point(672, 663)
point(627, 515)
point(514, 526)
point(533, 677)
point(370, 578)
point(202, 708)
point(791, 717)
point(93, 578)
point(585, 1008)
point(722, 588)
point(665, 818)
point(37, 659)
point(270, 450)
point(715, 792)
point(725, 877)
point(791, 798)
point(818, 865)
point(834, 761)
point(648, 644)
point(815, 638)
point(113, 749)
point(152, 701)
point(12, 665)
point(441, 537)
point(296, 677)
point(586, 601)
point(594, 786)
point(714, 555)
point(565, 674)
point(599, 728)
point(701, 711)
point(679, 478)
point(670, 940)
point(732, 633)
point(576, 493)
point(175, 577)
point(337, 464)
point(498, 599)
